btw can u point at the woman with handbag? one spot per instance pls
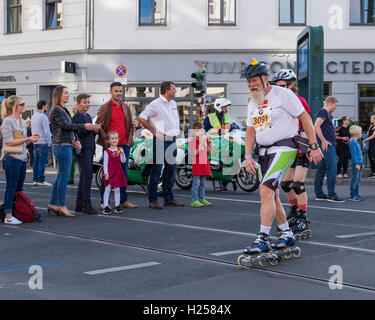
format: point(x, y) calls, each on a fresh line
point(13, 155)
point(64, 139)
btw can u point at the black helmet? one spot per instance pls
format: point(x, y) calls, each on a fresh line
point(255, 69)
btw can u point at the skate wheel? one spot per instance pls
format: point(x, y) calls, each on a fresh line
point(287, 254)
point(309, 233)
point(240, 261)
point(273, 261)
point(298, 236)
point(297, 252)
point(262, 261)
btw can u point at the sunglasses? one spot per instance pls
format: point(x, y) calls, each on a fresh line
point(282, 85)
point(21, 104)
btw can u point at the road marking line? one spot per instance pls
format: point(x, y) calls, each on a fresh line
point(130, 267)
point(354, 235)
point(225, 253)
point(328, 245)
point(284, 204)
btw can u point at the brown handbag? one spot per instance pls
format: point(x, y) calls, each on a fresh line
point(17, 134)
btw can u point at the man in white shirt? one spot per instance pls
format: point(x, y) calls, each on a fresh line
point(273, 114)
point(162, 119)
point(40, 125)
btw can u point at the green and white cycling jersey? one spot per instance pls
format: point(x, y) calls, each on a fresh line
point(274, 163)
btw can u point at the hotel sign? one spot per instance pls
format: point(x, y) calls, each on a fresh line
point(7, 79)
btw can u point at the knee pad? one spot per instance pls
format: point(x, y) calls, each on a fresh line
point(298, 187)
point(286, 186)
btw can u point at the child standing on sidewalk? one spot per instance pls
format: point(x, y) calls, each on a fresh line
point(357, 162)
point(200, 147)
point(114, 176)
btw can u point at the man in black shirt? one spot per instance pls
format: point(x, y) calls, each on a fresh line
point(326, 137)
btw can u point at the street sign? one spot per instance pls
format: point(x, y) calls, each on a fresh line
point(121, 71)
point(123, 81)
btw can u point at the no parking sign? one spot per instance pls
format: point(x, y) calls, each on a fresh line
point(121, 71)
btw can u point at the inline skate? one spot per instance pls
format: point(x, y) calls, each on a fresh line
point(301, 229)
point(285, 247)
point(258, 253)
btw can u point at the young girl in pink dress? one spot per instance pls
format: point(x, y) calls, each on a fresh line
point(114, 176)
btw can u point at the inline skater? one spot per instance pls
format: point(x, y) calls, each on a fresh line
point(272, 122)
point(293, 183)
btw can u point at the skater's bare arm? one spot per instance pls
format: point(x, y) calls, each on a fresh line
point(251, 166)
point(315, 155)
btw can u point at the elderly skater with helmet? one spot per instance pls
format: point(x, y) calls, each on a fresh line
point(293, 183)
point(220, 122)
point(272, 122)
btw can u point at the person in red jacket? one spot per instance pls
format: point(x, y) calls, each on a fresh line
point(293, 182)
point(200, 147)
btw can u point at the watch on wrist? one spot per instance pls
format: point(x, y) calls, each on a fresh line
point(248, 157)
point(314, 146)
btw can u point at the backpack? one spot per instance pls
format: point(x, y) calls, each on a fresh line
point(23, 208)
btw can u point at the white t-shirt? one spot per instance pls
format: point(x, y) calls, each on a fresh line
point(163, 116)
point(276, 119)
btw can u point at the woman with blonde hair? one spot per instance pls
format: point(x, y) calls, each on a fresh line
point(64, 138)
point(13, 155)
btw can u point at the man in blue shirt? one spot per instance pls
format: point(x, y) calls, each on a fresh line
point(40, 125)
point(326, 137)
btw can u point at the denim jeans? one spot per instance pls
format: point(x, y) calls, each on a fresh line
point(85, 178)
point(198, 188)
point(327, 165)
point(15, 173)
point(125, 166)
point(164, 154)
point(354, 183)
point(63, 155)
point(40, 161)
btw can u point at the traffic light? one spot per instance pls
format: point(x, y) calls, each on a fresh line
point(200, 81)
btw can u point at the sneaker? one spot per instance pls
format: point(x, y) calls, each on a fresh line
point(354, 199)
point(35, 183)
point(360, 198)
point(205, 202)
point(45, 183)
point(336, 199)
point(102, 206)
point(12, 221)
point(322, 197)
point(339, 175)
point(197, 204)
point(346, 175)
point(107, 210)
point(118, 210)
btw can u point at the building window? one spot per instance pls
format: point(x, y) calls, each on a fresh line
point(152, 12)
point(362, 12)
point(53, 14)
point(222, 12)
point(327, 89)
point(14, 16)
point(292, 12)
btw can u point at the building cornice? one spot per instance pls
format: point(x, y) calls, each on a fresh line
point(177, 51)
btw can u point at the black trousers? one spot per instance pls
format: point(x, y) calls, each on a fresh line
point(85, 179)
point(371, 156)
point(343, 154)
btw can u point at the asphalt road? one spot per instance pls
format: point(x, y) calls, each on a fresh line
point(185, 253)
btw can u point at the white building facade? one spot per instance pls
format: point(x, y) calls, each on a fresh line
point(160, 40)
